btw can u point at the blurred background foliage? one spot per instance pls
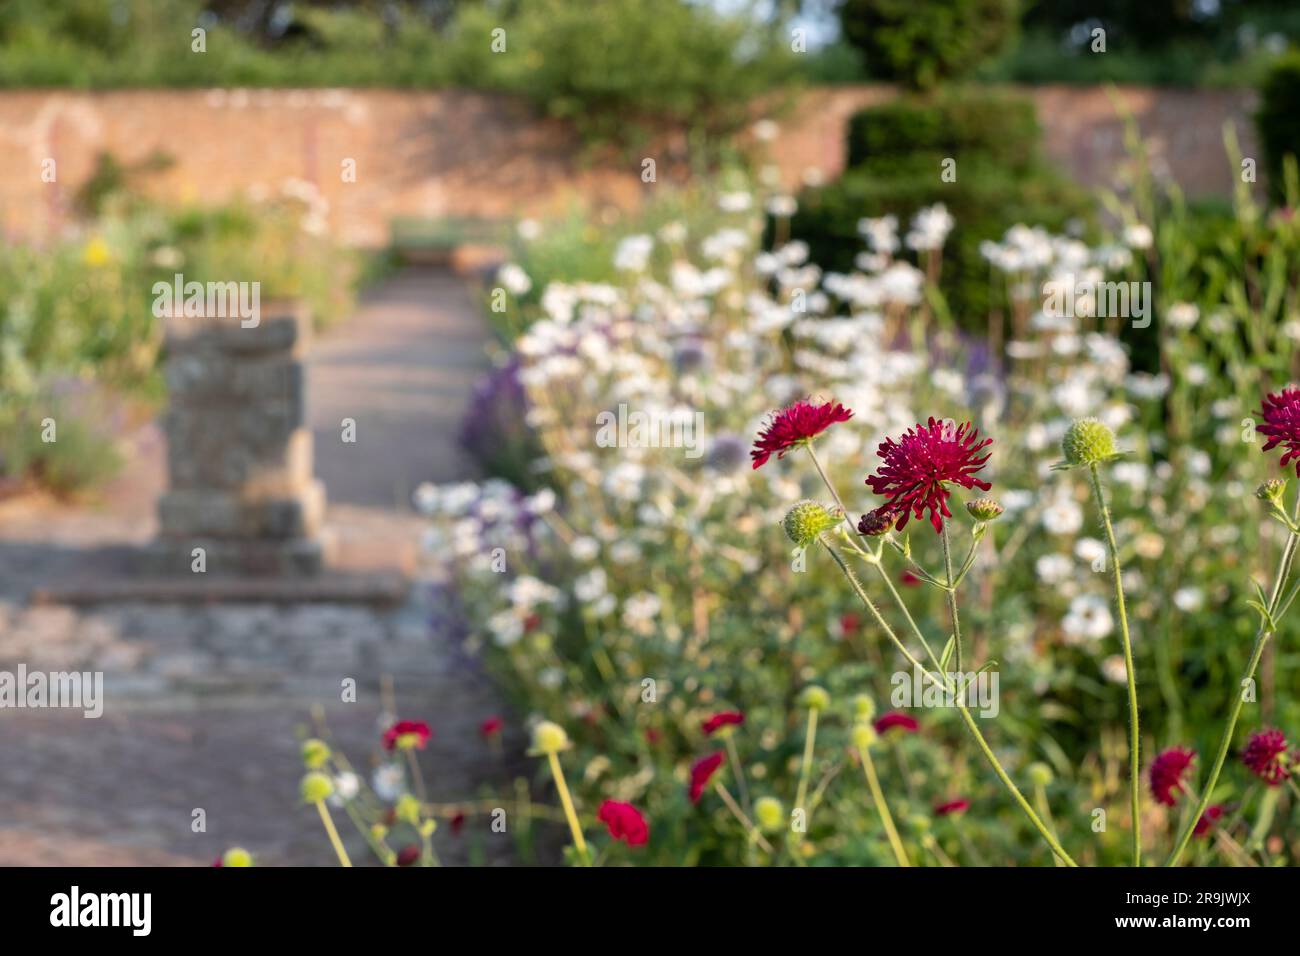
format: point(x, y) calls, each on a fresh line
point(620, 66)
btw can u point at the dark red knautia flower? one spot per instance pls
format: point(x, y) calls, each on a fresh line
point(457, 822)
point(1208, 819)
point(725, 718)
point(625, 822)
point(1167, 773)
point(960, 805)
point(406, 734)
point(918, 467)
point(795, 425)
point(701, 772)
point(491, 727)
point(1281, 414)
point(1266, 756)
point(896, 720)
point(408, 855)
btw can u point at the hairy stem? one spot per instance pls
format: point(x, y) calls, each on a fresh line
point(983, 745)
point(1134, 757)
point(1261, 638)
point(952, 598)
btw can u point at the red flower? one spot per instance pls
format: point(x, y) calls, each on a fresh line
point(960, 805)
point(908, 579)
point(1167, 773)
point(491, 727)
point(652, 736)
point(1265, 755)
point(918, 465)
point(701, 771)
point(896, 720)
point(625, 822)
point(406, 734)
point(726, 718)
point(1281, 413)
point(457, 822)
point(407, 855)
point(849, 623)
point(794, 426)
point(1208, 819)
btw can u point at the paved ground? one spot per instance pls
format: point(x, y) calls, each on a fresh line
point(205, 704)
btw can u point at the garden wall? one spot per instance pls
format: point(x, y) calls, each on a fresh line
point(451, 153)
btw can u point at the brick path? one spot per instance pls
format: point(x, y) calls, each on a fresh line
point(205, 704)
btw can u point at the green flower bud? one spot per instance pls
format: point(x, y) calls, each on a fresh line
point(379, 832)
point(984, 509)
point(1040, 774)
point(1271, 491)
point(407, 809)
point(316, 787)
point(864, 708)
point(919, 823)
point(428, 827)
point(815, 698)
point(549, 738)
point(807, 521)
point(315, 753)
point(769, 814)
point(863, 736)
point(236, 856)
point(1088, 442)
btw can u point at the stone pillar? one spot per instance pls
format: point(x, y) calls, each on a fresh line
point(239, 456)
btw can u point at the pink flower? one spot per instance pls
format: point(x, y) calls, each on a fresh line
point(1266, 756)
point(921, 463)
point(726, 718)
point(625, 822)
point(1167, 773)
point(701, 772)
point(1281, 413)
point(491, 727)
point(794, 426)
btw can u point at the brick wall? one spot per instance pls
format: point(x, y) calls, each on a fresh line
point(471, 154)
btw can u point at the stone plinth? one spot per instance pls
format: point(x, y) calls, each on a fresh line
point(239, 456)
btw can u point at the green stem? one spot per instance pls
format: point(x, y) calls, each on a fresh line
point(333, 834)
point(882, 808)
point(983, 745)
point(570, 814)
point(1261, 639)
point(1134, 739)
point(740, 770)
point(801, 794)
point(952, 598)
point(751, 831)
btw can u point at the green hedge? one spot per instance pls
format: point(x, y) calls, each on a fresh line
point(1279, 132)
point(896, 151)
point(992, 125)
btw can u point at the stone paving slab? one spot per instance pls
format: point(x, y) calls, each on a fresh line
point(205, 703)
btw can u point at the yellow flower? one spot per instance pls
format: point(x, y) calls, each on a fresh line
point(97, 253)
